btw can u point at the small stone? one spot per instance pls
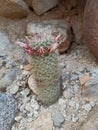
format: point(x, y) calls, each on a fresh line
point(91, 89)
point(22, 107)
point(57, 117)
point(67, 94)
point(18, 118)
point(21, 67)
point(84, 79)
point(43, 122)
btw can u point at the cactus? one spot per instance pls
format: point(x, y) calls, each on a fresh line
point(46, 71)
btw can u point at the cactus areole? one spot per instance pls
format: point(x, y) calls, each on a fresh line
point(45, 68)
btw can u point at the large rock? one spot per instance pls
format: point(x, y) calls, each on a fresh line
point(13, 8)
point(49, 29)
point(41, 6)
point(8, 110)
point(91, 26)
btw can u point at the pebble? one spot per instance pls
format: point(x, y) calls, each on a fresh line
point(25, 92)
point(57, 117)
point(67, 94)
point(18, 118)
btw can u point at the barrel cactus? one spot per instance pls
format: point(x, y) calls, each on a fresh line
point(45, 68)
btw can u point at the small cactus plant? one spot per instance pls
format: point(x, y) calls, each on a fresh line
point(45, 66)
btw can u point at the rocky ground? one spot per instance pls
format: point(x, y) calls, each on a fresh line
point(77, 108)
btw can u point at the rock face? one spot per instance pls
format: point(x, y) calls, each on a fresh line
point(41, 6)
point(91, 26)
point(54, 28)
point(13, 8)
point(8, 110)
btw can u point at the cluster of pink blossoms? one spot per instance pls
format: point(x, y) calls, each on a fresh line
point(41, 50)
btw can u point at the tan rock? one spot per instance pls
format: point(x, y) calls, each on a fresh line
point(29, 2)
point(43, 122)
point(13, 8)
point(84, 79)
point(91, 26)
point(41, 6)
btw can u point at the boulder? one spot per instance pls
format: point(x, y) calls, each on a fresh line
point(41, 6)
point(91, 26)
point(13, 8)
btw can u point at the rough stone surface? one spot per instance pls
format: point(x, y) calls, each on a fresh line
point(53, 27)
point(91, 89)
point(8, 110)
point(42, 6)
point(57, 117)
point(29, 2)
point(43, 122)
point(13, 8)
point(91, 26)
